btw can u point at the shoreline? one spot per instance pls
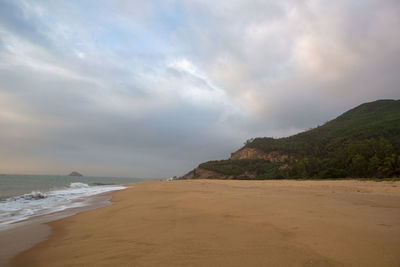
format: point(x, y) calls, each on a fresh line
point(23, 235)
point(232, 223)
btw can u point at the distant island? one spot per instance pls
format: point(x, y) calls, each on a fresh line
point(364, 142)
point(76, 174)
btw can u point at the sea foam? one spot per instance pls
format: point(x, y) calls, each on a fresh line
point(19, 208)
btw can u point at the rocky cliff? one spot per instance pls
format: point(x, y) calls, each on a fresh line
point(205, 172)
point(254, 153)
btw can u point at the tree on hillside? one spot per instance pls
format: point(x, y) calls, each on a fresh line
point(358, 166)
point(391, 166)
point(373, 166)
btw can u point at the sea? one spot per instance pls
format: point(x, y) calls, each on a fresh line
point(26, 196)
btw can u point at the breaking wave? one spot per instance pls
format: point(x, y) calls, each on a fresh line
point(19, 208)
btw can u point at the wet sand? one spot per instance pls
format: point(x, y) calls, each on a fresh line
point(16, 240)
point(25, 234)
point(231, 223)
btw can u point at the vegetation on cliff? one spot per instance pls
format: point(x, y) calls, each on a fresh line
point(363, 142)
point(243, 168)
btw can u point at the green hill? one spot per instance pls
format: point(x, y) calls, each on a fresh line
point(362, 142)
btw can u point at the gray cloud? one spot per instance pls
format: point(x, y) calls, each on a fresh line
point(139, 88)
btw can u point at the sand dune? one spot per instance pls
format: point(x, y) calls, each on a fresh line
point(232, 223)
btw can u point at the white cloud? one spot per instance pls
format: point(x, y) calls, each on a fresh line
point(194, 86)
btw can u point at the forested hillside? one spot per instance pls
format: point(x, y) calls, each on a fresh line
point(363, 142)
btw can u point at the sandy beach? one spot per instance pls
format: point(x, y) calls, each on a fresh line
point(231, 223)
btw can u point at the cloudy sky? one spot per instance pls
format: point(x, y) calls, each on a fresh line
point(152, 88)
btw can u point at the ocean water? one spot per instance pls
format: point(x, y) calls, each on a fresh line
point(25, 196)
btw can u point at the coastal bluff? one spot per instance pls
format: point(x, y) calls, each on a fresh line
point(244, 153)
point(255, 153)
point(363, 142)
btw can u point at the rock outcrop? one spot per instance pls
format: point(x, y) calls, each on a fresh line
point(241, 154)
point(254, 153)
point(76, 174)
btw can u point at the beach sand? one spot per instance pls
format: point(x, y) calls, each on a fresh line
point(231, 223)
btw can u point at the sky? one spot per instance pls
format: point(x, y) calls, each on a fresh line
point(153, 88)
